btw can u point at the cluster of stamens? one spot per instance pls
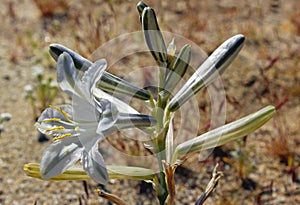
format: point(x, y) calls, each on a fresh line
point(59, 128)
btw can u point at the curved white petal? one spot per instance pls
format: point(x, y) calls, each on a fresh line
point(59, 156)
point(91, 76)
point(67, 76)
point(109, 115)
point(93, 164)
point(122, 107)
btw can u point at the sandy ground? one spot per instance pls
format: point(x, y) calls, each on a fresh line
point(266, 72)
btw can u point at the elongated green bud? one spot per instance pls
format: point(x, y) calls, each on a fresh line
point(137, 120)
point(140, 7)
point(224, 134)
point(80, 62)
point(212, 67)
point(115, 85)
point(108, 82)
point(77, 173)
point(153, 36)
point(179, 68)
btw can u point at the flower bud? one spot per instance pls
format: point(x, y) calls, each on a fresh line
point(224, 134)
point(212, 67)
point(153, 36)
point(179, 68)
point(140, 7)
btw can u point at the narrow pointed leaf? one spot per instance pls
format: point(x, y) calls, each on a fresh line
point(108, 82)
point(224, 134)
point(153, 36)
point(212, 67)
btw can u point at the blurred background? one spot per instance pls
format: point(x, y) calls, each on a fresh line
point(263, 168)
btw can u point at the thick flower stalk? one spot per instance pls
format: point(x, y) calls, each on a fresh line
point(78, 128)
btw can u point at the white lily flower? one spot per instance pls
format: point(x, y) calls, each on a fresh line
point(78, 128)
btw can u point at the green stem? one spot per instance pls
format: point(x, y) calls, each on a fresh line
point(160, 139)
point(152, 102)
point(161, 145)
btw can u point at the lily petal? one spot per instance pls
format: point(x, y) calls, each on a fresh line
point(91, 76)
point(93, 164)
point(67, 76)
point(109, 116)
point(122, 106)
point(59, 156)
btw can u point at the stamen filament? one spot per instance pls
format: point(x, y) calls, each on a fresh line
point(55, 128)
point(62, 136)
point(51, 120)
point(62, 112)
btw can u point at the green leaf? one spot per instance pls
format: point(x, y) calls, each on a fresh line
point(108, 82)
point(224, 134)
point(212, 67)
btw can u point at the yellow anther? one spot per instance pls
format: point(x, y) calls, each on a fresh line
point(76, 129)
point(62, 136)
point(51, 120)
point(62, 112)
point(55, 128)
